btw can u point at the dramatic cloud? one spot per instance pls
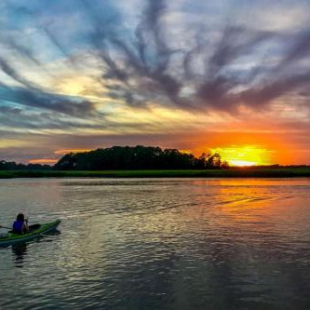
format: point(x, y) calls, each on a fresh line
point(205, 74)
point(145, 67)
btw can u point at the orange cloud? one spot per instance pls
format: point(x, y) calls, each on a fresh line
point(43, 161)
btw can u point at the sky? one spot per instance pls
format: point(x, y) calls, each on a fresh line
point(201, 76)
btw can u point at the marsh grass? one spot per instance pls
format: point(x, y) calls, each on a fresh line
point(281, 172)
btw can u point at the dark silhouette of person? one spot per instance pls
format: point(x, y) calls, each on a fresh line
point(20, 226)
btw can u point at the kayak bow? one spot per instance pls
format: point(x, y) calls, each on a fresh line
point(13, 238)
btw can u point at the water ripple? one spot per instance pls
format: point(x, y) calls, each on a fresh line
point(159, 244)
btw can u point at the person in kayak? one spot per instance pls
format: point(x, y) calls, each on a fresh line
point(20, 226)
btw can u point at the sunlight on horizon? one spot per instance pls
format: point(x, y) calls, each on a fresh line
point(244, 156)
point(242, 163)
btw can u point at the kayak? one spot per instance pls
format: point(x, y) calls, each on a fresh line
point(35, 232)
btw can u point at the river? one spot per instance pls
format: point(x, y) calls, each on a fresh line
point(159, 244)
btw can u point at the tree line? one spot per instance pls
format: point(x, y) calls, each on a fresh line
point(118, 157)
point(12, 165)
point(138, 157)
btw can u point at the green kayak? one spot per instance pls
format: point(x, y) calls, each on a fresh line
point(36, 231)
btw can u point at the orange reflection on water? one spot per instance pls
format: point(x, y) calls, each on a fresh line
point(253, 206)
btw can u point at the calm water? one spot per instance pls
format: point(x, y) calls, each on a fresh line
point(159, 244)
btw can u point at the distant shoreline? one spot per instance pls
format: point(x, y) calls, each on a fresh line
point(281, 172)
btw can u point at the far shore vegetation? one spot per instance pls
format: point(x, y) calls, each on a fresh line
point(246, 172)
point(145, 162)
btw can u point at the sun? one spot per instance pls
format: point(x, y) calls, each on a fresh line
point(242, 163)
point(245, 156)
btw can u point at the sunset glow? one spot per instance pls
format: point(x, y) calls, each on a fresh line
point(245, 156)
point(43, 161)
point(142, 72)
point(242, 163)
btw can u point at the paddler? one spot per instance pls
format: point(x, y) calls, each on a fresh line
point(20, 226)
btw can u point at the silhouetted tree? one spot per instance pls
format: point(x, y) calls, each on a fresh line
point(68, 162)
point(214, 161)
point(4, 165)
point(138, 157)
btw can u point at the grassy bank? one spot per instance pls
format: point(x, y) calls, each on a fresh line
point(231, 173)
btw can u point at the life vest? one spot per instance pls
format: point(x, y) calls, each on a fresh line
point(18, 227)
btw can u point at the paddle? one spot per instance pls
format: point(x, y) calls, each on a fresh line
point(5, 227)
point(26, 220)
